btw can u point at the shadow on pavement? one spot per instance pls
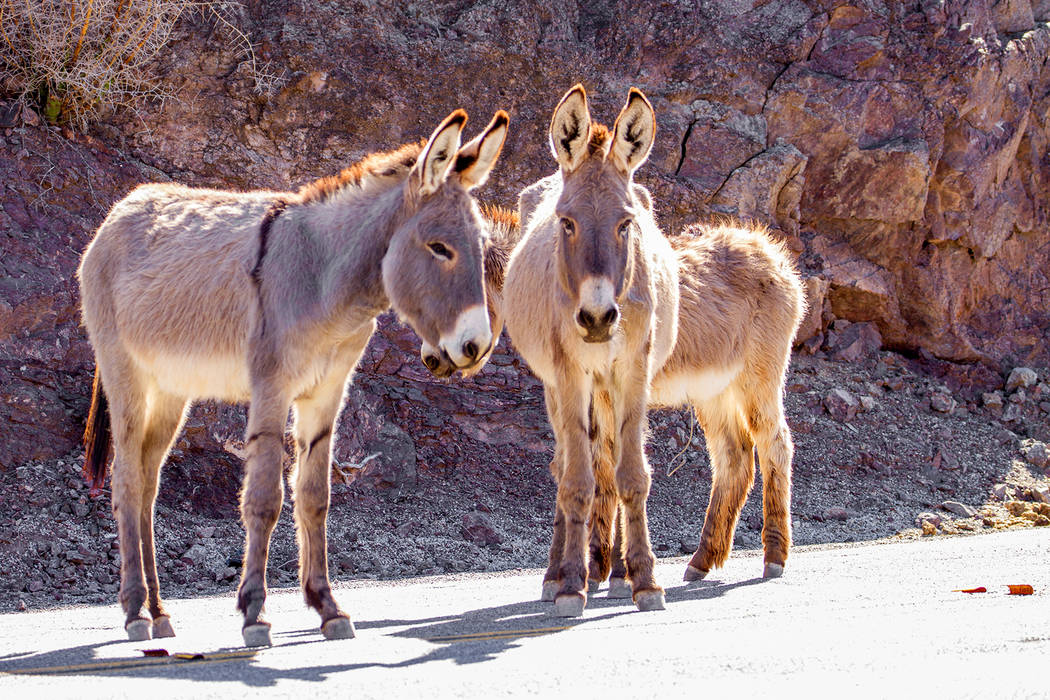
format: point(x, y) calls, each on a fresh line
point(473, 637)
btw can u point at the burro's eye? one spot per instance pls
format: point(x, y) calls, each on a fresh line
point(567, 226)
point(440, 250)
point(624, 229)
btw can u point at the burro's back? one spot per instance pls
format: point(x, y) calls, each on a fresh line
point(272, 297)
point(169, 272)
point(591, 303)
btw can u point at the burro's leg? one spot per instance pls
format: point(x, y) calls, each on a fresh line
point(315, 422)
point(603, 443)
point(551, 581)
point(632, 484)
point(619, 586)
point(261, 499)
point(165, 414)
point(765, 414)
point(732, 475)
point(575, 488)
point(125, 389)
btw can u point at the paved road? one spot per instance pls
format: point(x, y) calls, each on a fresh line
point(871, 620)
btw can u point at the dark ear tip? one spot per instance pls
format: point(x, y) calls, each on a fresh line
point(636, 94)
point(501, 118)
point(457, 117)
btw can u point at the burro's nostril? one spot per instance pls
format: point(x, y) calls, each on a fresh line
point(470, 349)
point(610, 316)
point(432, 362)
point(585, 319)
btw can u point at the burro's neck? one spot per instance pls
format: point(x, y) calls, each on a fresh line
point(353, 229)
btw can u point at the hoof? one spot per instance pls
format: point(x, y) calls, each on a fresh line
point(569, 605)
point(694, 574)
point(592, 585)
point(338, 628)
point(649, 600)
point(550, 591)
point(162, 627)
point(619, 588)
point(138, 630)
point(772, 570)
point(257, 635)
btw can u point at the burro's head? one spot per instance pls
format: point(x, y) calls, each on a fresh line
point(597, 207)
point(432, 271)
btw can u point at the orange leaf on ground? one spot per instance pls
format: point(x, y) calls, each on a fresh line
point(1021, 589)
point(979, 589)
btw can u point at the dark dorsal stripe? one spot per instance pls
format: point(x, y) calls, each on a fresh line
point(276, 209)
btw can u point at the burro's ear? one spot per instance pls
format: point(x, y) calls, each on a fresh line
point(633, 133)
point(571, 129)
point(437, 157)
point(475, 160)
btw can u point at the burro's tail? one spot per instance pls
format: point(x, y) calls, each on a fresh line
point(97, 438)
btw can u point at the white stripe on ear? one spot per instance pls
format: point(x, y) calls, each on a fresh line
point(475, 160)
point(570, 129)
point(633, 133)
point(440, 153)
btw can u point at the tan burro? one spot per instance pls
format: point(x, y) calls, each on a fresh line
point(271, 297)
point(591, 303)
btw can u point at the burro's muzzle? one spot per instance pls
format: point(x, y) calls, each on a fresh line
point(464, 346)
point(598, 313)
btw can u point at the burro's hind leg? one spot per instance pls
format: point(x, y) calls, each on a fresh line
point(619, 586)
point(261, 499)
point(315, 421)
point(603, 437)
point(126, 392)
point(732, 475)
point(165, 414)
point(765, 414)
point(632, 484)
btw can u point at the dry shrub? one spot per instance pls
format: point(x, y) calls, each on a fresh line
point(77, 58)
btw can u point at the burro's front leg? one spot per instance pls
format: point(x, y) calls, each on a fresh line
point(315, 419)
point(261, 500)
point(632, 484)
point(575, 489)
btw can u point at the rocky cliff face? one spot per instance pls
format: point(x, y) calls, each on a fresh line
point(901, 148)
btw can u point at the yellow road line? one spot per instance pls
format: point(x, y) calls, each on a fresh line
point(144, 662)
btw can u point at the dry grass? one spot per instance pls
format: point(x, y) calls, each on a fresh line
point(75, 59)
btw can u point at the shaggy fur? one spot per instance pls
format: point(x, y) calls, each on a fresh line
point(271, 298)
point(591, 302)
point(741, 302)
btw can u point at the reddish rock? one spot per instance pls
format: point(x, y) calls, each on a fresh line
point(477, 528)
point(850, 342)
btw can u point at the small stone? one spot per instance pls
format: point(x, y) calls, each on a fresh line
point(841, 405)
point(1021, 377)
point(1016, 507)
point(477, 528)
point(1018, 397)
point(1036, 453)
point(959, 509)
point(22, 607)
point(194, 555)
point(1038, 494)
point(836, 513)
point(933, 519)
point(942, 403)
point(928, 528)
point(688, 546)
point(1041, 520)
point(867, 404)
point(36, 585)
point(1002, 492)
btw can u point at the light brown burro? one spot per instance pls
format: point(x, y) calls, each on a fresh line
point(271, 298)
point(591, 302)
point(740, 305)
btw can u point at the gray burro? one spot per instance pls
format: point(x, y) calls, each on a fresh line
point(271, 297)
